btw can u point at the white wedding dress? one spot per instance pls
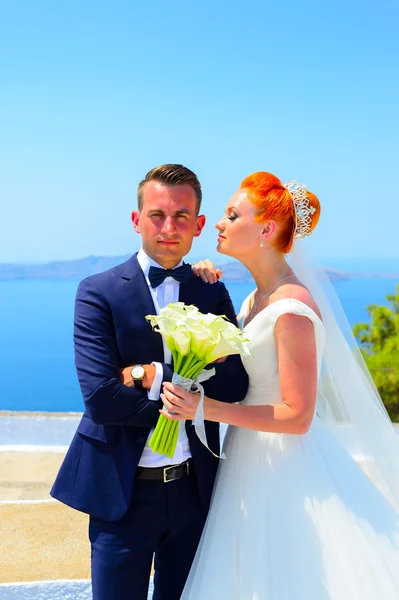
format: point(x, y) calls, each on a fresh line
point(293, 517)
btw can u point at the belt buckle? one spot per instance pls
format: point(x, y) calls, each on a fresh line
point(166, 469)
point(165, 474)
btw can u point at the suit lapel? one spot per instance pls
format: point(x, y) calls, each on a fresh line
point(190, 292)
point(140, 295)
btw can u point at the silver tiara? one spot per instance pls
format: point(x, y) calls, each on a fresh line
point(303, 210)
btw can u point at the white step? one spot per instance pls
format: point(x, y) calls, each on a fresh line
point(50, 590)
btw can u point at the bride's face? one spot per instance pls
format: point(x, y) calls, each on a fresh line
point(239, 233)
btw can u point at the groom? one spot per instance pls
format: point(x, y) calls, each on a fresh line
point(142, 504)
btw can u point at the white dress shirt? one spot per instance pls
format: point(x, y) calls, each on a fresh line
point(162, 295)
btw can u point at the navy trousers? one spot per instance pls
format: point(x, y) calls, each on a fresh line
point(164, 521)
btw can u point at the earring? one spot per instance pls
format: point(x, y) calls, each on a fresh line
point(261, 242)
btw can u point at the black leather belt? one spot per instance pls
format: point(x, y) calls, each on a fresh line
point(165, 474)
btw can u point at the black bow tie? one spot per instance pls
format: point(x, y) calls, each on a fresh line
point(158, 276)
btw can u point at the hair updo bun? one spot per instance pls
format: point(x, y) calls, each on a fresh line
point(273, 201)
point(314, 202)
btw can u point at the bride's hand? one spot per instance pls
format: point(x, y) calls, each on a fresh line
point(219, 360)
point(206, 270)
point(181, 405)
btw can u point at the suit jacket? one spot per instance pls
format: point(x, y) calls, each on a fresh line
point(110, 333)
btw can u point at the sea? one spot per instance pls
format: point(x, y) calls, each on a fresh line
point(37, 370)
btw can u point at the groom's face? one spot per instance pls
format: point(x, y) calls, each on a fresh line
point(168, 222)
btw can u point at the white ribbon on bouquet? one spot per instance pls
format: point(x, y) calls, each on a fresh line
point(194, 385)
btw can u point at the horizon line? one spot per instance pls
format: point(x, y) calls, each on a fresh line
point(226, 258)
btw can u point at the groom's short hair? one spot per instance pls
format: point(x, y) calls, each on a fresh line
point(171, 174)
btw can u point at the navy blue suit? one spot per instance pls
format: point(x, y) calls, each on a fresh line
point(98, 473)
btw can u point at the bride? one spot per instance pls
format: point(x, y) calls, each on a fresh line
point(306, 504)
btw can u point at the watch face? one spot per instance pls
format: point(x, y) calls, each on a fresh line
point(138, 372)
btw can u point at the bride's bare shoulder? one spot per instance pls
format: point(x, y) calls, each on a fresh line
point(297, 291)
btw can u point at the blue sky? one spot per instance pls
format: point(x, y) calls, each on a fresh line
point(94, 94)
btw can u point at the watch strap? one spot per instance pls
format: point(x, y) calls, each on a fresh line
point(138, 384)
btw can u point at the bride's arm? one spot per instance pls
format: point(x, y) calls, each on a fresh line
point(297, 362)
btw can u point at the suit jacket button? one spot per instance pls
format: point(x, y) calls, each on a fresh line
point(139, 440)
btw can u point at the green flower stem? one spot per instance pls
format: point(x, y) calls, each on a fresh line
point(168, 436)
point(166, 432)
point(162, 426)
point(177, 359)
point(196, 369)
point(168, 444)
point(175, 435)
point(164, 437)
point(180, 362)
point(162, 441)
point(158, 433)
point(189, 365)
point(181, 367)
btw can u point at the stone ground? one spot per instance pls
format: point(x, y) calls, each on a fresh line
point(38, 541)
point(43, 542)
point(28, 475)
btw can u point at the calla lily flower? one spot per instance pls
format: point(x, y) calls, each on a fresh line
point(195, 340)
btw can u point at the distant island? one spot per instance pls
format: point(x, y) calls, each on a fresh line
point(83, 267)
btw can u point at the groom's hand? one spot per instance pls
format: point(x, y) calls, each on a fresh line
point(148, 379)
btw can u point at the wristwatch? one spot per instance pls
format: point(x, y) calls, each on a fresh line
point(137, 374)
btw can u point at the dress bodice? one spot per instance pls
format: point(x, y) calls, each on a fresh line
point(262, 366)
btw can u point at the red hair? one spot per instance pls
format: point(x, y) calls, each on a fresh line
point(274, 202)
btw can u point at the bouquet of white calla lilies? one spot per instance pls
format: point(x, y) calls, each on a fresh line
point(195, 340)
